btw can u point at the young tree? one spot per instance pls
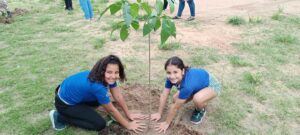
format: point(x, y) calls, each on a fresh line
point(134, 13)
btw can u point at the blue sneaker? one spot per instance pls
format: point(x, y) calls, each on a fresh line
point(54, 120)
point(198, 115)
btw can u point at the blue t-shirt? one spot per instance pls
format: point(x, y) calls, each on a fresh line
point(78, 88)
point(193, 81)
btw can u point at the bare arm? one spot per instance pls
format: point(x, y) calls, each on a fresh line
point(116, 93)
point(173, 110)
point(162, 103)
point(163, 100)
point(162, 127)
point(133, 125)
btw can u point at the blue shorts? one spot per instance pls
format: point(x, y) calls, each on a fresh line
point(214, 84)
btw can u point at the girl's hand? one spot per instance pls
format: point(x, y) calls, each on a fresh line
point(137, 116)
point(136, 126)
point(162, 127)
point(155, 117)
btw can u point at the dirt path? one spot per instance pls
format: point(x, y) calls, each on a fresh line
point(210, 28)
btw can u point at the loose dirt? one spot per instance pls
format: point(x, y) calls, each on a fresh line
point(16, 12)
point(144, 100)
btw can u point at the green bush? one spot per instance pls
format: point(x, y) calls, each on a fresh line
point(284, 38)
point(236, 20)
point(237, 61)
point(99, 43)
point(169, 46)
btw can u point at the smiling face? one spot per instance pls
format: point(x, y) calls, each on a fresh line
point(174, 74)
point(112, 73)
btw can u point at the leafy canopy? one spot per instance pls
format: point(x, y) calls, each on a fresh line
point(134, 13)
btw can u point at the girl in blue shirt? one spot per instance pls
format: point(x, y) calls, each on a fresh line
point(195, 85)
point(78, 95)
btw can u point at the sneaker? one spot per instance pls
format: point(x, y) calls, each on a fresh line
point(198, 115)
point(70, 8)
point(191, 18)
point(54, 120)
point(176, 17)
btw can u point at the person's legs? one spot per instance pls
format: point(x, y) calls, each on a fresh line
point(54, 114)
point(67, 4)
point(175, 96)
point(165, 5)
point(85, 8)
point(90, 9)
point(56, 124)
point(192, 7)
point(81, 115)
point(70, 5)
point(200, 100)
point(180, 8)
point(93, 104)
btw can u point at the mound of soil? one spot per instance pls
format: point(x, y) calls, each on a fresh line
point(145, 100)
point(19, 11)
point(6, 20)
point(16, 12)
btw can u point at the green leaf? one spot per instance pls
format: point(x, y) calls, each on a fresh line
point(171, 3)
point(124, 32)
point(166, 30)
point(103, 12)
point(154, 14)
point(126, 14)
point(146, 7)
point(135, 24)
point(116, 26)
point(139, 1)
point(158, 6)
point(157, 24)
point(172, 28)
point(134, 10)
point(163, 36)
point(114, 8)
point(147, 29)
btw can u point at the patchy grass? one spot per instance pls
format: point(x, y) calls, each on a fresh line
point(255, 20)
point(46, 45)
point(278, 16)
point(251, 79)
point(293, 82)
point(113, 37)
point(204, 56)
point(284, 38)
point(99, 43)
point(170, 46)
point(236, 20)
point(273, 45)
point(237, 61)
